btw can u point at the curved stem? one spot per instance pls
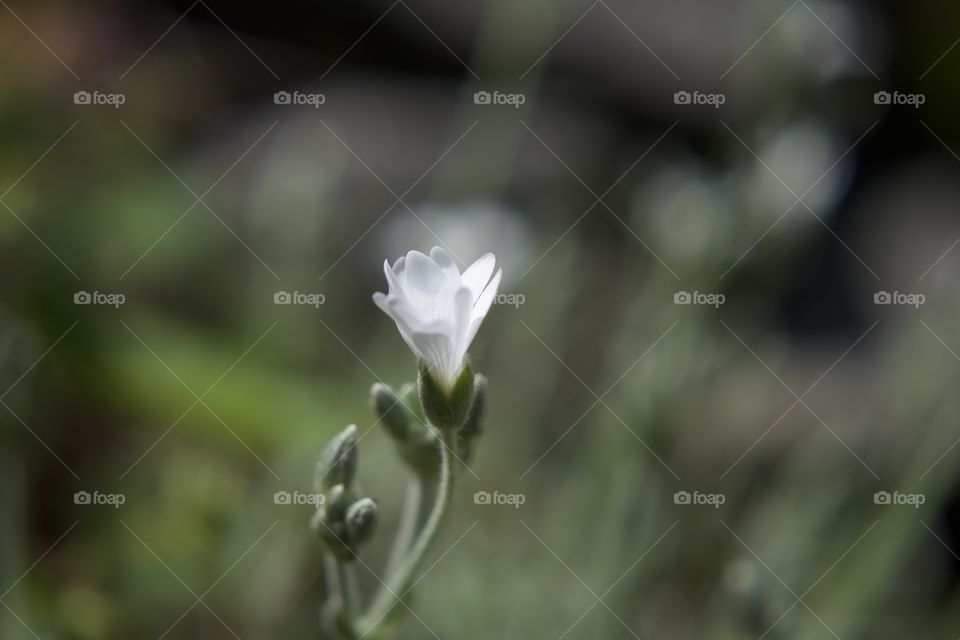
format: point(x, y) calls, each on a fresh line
point(399, 582)
point(340, 590)
point(348, 590)
point(407, 528)
point(331, 577)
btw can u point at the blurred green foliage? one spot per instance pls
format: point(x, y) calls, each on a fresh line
point(199, 398)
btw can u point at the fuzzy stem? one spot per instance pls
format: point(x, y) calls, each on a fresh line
point(338, 592)
point(348, 590)
point(399, 582)
point(409, 520)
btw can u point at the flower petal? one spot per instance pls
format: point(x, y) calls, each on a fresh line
point(482, 306)
point(462, 318)
point(380, 300)
point(477, 275)
point(422, 275)
point(447, 265)
point(407, 323)
point(436, 349)
point(436, 309)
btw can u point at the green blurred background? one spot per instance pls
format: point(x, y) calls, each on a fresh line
point(203, 195)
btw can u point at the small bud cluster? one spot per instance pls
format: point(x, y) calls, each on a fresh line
point(344, 520)
point(416, 442)
point(408, 414)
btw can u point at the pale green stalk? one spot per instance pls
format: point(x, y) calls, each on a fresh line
point(400, 580)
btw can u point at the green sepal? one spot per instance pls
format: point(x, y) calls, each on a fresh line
point(402, 418)
point(446, 408)
point(329, 522)
point(361, 520)
point(410, 394)
point(473, 426)
point(390, 411)
point(338, 462)
point(421, 451)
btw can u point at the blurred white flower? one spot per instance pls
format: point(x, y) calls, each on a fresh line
point(437, 309)
point(824, 51)
point(807, 157)
point(689, 211)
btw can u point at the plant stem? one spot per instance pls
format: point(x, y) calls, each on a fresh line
point(348, 590)
point(337, 584)
point(409, 520)
point(399, 582)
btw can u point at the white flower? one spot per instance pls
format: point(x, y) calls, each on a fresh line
point(437, 309)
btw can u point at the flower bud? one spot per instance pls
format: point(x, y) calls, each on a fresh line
point(390, 411)
point(410, 394)
point(416, 442)
point(338, 462)
point(421, 451)
point(336, 503)
point(446, 408)
point(361, 520)
point(329, 522)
